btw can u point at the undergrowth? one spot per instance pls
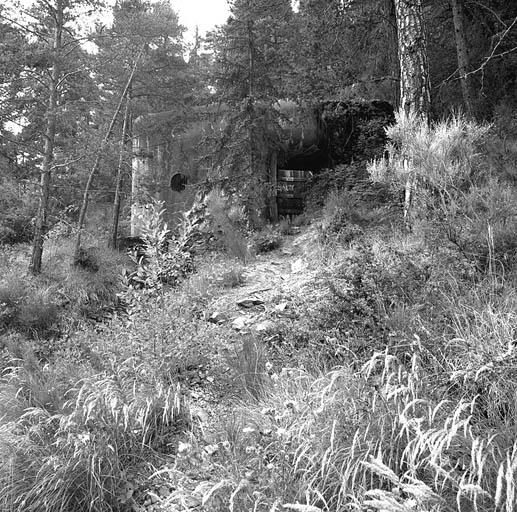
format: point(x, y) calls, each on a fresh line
point(389, 385)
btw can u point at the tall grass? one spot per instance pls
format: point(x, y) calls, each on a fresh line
point(88, 457)
point(379, 438)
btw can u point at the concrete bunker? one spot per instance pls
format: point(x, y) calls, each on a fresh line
point(169, 164)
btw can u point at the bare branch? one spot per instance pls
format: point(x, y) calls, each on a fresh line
point(493, 54)
point(483, 6)
point(23, 27)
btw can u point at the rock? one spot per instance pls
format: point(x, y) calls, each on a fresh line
point(266, 325)
point(217, 318)
point(200, 414)
point(281, 307)
point(240, 323)
point(210, 449)
point(192, 501)
point(249, 302)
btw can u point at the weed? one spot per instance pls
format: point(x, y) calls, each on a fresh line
point(248, 365)
point(12, 293)
point(267, 240)
point(233, 278)
point(228, 222)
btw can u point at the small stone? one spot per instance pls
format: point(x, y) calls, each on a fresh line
point(217, 318)
point(201, 415)
point(164, 492)
point(211, 449)
point(249, 302)
point(192, 501)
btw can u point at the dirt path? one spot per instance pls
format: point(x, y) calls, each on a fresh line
point(272, 283)
point(275, 285)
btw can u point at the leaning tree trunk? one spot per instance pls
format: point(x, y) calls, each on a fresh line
point(463, 55)
point(96, 164)
point(50, 136)
point(112, 243)
point(415, 97)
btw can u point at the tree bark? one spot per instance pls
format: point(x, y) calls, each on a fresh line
point(412, 50)
point(50, 136)
point(120, 175)
point(415, 97)
point(251, 100)
point(463, 55)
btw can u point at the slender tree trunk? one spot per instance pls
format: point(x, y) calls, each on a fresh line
point(415, 97)
point(463, 55)
point(120, 175)
point(251, 103)
point(412, 50)
point(96, 164)
point(50, 136)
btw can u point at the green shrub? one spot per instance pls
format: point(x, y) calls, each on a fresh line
point(168, 334)
point(39, 314)
point(13, 292)
point(453, 197)
point(17, 211)
point(481, 224)
point(433, 163)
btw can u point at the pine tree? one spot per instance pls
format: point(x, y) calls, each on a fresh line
point(415, 95)
point(250, 70)
point(48, 91)
point(412, 50)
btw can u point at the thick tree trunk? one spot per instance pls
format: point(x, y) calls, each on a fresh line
point(463, 55)
point(415, 97)
point(50, 136)
point(412, 50)
point(120, 175)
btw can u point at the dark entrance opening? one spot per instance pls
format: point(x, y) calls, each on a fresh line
point(178, 182)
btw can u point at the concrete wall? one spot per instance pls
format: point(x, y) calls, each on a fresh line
point(158, 155)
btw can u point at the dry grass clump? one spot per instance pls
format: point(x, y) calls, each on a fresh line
point(88, 457)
